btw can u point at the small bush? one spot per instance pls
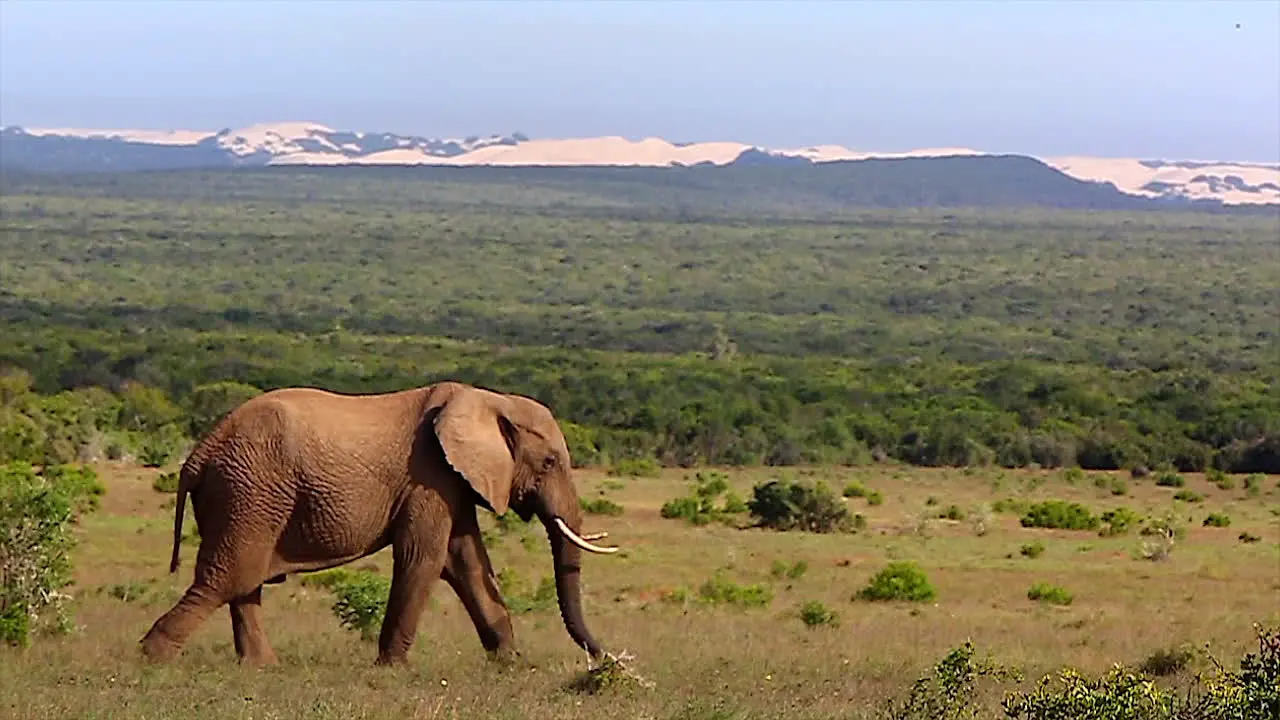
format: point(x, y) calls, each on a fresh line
point(37, 511)
point(950, 691)
point(899, 581)
point(875, 498)
point(520, 598)
point(1049, 594)
point(1060, 515)
point(1218, 520)
point(1032, 550)
point(1220, 479)
point(1253, 484)
point(792, 572)
point(166, 482)
point(1170, 479)
point(636, 467)
point(1118, 521)
point(1167, 661)
point(1248, 538)
point(722, 591)
point(782, 505)
point(600, 506)
point(1011, 506)
point(1188, 496)
point(1119, 487)
point(953, 512)
point(360, 601)
point(1072, 475)
point(855, 490)
point(815, 614)
point(699, 508)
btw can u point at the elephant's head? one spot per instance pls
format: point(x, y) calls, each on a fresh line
point(512, 452)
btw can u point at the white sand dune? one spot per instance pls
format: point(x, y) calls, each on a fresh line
point(308, 143)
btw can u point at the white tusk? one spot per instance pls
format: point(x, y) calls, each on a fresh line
point(595, 536)
point(581, 542)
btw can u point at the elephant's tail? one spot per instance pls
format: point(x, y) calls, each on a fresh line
point(187, 478)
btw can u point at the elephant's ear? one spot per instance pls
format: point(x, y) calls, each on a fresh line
point(476, 439)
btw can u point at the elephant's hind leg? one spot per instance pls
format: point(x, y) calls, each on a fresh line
point(170, 631)
point(248, 632)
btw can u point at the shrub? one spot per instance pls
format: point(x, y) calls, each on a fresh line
point(792, 572)
point(899, 581)
point(721, 591)
point(520, 598)
point(814, 614)
point(1219, 478)
point(1049, 594)
point(1188, 496)
point(700, 508)
point(207, 404)
point(875, 498)
point(36, 514)
point(166, 482)
point(1253, 484)
point(1118, 521)
point(855, 490)
point(1032, 550)
point(953, 512)
point(1248, 538)
point(1170, 479)
point(1060, 515)
point(636, 467)
point(1119, 487)
point(783, 505)
point(360, 601)
point(1218, 520)
point(1167, 661)
point(950, 691)
point(600, 506)
point(1119, 695)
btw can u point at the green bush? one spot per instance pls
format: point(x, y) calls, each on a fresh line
point(1188, 496)
point(951, 690)
point(793, 571)
point(953, 512)
point(1032, 550)
point(165, 482)
point(699, 508)
point(1060, 515)
point(600, 506)
point(360, 602)
point(1220, 479)
point(855, 490)
point(719, 590)
point(875, 498)
point(1167, 661)
point(811, 507)
point(899, 581)
point(815, 614)
point(1253, 484)
point(1118, 521)
point(522, 599)
point(37, 510)
point(1049, 594)
point(1218, 520)
point(1170, 479)
point(207, 404)
point(636, 467)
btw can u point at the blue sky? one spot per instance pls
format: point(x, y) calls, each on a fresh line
point(1130, 78)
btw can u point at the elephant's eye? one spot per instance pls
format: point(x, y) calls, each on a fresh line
point(549, 462)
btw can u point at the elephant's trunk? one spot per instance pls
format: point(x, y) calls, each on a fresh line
point(567, 558)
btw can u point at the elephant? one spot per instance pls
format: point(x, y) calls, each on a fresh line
point(301, 479)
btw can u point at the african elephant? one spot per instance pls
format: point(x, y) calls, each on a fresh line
point(301, 479)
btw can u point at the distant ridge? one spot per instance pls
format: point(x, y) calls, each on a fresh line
point(313, 144)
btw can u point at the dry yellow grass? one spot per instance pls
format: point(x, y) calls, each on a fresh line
point(738, 662)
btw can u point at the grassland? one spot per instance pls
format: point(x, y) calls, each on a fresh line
point(705, 661)
point(960, 359)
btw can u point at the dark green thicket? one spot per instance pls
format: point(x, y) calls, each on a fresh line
point(1060, 339)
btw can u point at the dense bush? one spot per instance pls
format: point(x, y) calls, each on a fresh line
point(700, 506)
point(797, 505)
point(1060, 515)
point(899, 581)
point(37, 510)
point(1049, 594)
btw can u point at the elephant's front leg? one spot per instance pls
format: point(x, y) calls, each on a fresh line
point(419, 547)
point(470, 574)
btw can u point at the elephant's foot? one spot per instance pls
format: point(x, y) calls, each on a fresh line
point(390, 660)
point(159, 648)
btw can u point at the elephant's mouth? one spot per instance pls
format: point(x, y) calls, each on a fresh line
point(583, 542)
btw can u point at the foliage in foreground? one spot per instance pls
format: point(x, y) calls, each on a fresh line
point(37, 512)
point(952, 691)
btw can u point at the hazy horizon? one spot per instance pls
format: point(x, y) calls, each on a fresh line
point(1174, 80)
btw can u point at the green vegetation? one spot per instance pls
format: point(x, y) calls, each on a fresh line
point(1049, 594)
point(1218, 520)
point(1060, 515)
point(799, 505)
point(37, 511)
point(899, 581)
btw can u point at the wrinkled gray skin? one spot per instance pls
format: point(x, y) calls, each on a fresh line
point(299, 479)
